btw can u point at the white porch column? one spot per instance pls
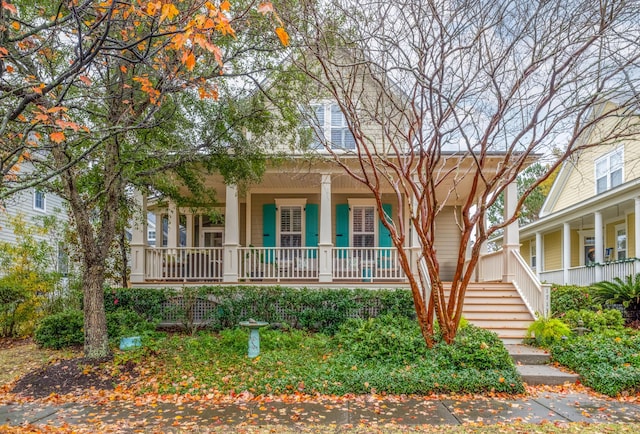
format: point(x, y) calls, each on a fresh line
point(566, 251)
point(539, 259)
point(599, 236)
point(416, 248)
point(189, 228)
point(636, 253)
point(325, 245)
point(138, 238)
point(511, 238)
point(173, 226)
point(159, 229)
point(231, 235)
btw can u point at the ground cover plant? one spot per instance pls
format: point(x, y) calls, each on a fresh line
point(384, 355)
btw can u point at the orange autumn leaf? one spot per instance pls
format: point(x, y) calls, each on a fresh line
point(265, 8)
point(9, 69)
point(283, 35)
point(168, 11)
point(153, 7)
point(57, 109)
point(190, 61)
point(123, 69)
point(225, 5)
point(86, 80)
point(57, 137)
point(3, 51)
point(15, 25)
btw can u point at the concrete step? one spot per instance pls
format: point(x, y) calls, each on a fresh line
point(545, 374)
point(528, 355)
point(494, 316)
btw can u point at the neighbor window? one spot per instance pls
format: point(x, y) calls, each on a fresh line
point(609, 171)
point(341, 136)
point(621, 242)
point(39, 202)
point(532, 254)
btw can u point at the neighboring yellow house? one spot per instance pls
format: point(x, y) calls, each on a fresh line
point(587, 231)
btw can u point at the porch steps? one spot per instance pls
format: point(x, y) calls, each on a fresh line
point(498, 307)
point(533, 366)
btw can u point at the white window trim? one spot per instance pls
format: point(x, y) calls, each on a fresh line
point(325, 128)
point(607, 156)
point(615, 239)
point(301, 202)
point(591, 233)
point(363, 202)
point(532, 254)
point(44, 201)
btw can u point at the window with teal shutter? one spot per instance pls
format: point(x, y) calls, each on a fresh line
point(384, 237)
point(342, 227)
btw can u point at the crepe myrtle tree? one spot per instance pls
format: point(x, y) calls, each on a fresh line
point(453, 99)
point(96, 97)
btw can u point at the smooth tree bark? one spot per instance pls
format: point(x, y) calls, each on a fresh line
point(448, 101)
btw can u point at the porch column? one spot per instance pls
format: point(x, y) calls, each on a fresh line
point(416, 248)
point(231, 235)
point(247, 220)
point(636, 253)
point(511, 238)
point(539, 259)
point(599, 236)
point(159, 230)
point(138, 238)
point(173, 226)
point(189, 228)
point(566, 251)
point(325, 245)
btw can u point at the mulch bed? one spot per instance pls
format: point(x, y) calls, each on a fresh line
point(73, 376)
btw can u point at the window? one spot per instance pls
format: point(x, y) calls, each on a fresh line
point(609, 171)
point(151, 235)
point(533, 255)
point(62, 265)
point(325, 121)
point(291, 226)
point(364, 226)
point(39, 201)
point(621, 242)
point(589, 250)
point(341, 136)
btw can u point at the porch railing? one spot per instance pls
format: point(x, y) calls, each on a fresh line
point(581, 276)
point(587, 274)
point(552, 276)
point(490, 267)
point(183, 263)
point(535, 295)
point(366, 263)
point(257, 263)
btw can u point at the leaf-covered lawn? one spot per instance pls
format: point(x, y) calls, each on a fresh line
point(18, 357)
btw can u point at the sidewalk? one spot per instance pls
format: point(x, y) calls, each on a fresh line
point(124, 417)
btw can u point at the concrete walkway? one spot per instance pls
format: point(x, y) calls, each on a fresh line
point(125, 417)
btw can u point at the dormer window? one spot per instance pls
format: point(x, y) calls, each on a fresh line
point(329, 124)
point(609, 171)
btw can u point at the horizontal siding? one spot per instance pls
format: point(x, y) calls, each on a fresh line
point(631, 235)
point(447, 242)
point(575, 249)
point(552, 248)
point(22, 203)
point(525, 251)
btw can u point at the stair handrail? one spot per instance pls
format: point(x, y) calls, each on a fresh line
point(535, 295)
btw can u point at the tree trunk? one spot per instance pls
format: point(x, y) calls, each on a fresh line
point(96, 341)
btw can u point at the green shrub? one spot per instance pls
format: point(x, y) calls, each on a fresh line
point(548, 331)
point(124, 322)
point(147, 302)
point(609, 361)
point(61, 330)
point(474, 348)
point(594, 321)
point(385, 338)
point(569, 297)
point(618, 291)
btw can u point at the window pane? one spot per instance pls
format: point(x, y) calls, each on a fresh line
point(601, 168)
point(616, 178)
point(337, 118)
point(601, 184)
point(369, 220)
point(615, 160)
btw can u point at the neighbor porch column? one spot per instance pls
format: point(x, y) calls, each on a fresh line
point(539, 259)
point(325, 246)
point(636, 231)
point(599, 236)
point(247, 221)
point(138, 238)
point(231, 235)
point(173, 226)
point(566, 251)
point(511, 238)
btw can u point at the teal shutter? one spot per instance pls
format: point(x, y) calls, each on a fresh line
point(269, 225)
point(384, 236)
point(342, 227)
point(269, 230)
point(311, 226)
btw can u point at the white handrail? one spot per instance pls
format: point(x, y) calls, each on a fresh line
point(534, 295)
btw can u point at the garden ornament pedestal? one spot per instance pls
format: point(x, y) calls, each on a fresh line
point(254, 336)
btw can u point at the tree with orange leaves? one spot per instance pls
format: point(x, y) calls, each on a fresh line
point(100, 96)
